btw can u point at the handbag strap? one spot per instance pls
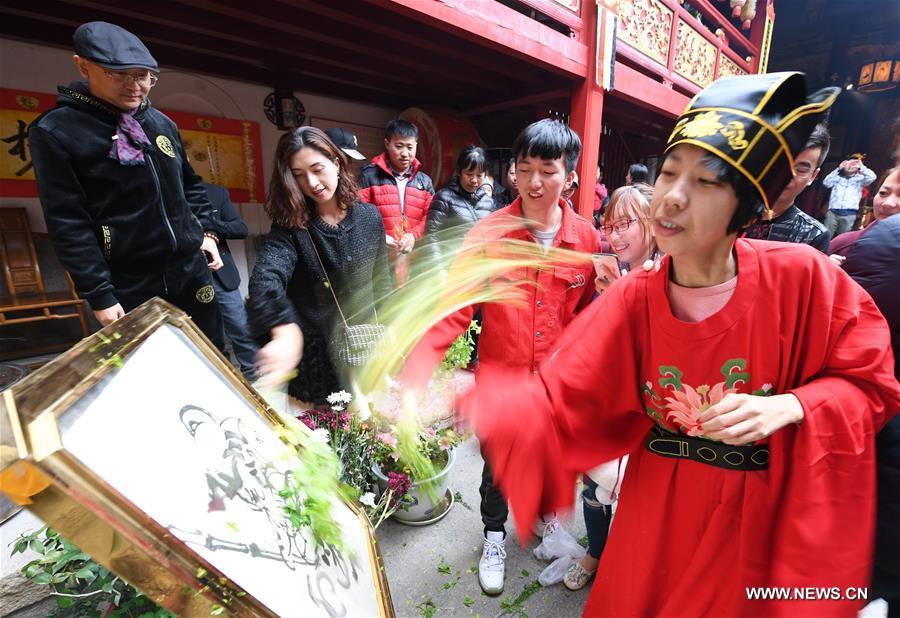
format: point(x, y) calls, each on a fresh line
point(327, 278)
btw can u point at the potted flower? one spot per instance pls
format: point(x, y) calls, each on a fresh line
point(424, 499)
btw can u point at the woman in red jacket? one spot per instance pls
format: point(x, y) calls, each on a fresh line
point(746, 379)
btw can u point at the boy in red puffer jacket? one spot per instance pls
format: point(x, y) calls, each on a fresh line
point(402, 192)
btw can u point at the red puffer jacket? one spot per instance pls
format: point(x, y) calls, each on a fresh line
point(518, 335)
point(378, 186)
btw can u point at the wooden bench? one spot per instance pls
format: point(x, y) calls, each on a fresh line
point(26, 299)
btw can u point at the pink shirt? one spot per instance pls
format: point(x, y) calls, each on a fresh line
point(697, 304)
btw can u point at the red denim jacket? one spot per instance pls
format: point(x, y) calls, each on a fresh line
point(514, 334)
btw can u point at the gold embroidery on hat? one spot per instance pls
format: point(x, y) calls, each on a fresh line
point(165, 145)
point(757, 120)
point(703, 125)
point(727, 159)
point(734, 131)
point(206, 294)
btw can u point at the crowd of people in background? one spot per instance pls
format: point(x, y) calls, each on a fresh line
point(679, 279)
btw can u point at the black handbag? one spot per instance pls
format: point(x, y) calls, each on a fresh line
point(354, 343)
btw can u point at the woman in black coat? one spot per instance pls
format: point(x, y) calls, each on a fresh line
point(458, 206)
point(316, 220)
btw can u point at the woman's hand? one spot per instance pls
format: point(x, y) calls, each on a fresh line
point(280, 357)
point(837, 259)
point(743, 419)
point(605, 277)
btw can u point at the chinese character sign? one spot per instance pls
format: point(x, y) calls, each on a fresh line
point(18, 108)
point(223, 151)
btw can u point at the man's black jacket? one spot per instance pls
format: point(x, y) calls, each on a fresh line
point(231, 226)
point(105, 217)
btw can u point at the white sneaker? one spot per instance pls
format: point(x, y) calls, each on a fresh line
point(492, 566)
point(547, 524)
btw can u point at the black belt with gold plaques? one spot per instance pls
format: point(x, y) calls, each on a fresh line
point(748, 458)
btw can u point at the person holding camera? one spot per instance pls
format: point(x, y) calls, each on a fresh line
point(846, 183)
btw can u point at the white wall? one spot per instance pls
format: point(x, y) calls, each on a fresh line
point(41, 68)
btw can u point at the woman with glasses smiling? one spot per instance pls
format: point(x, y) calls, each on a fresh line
point(626, 227)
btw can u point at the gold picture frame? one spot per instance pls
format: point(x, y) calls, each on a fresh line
point(146, 449)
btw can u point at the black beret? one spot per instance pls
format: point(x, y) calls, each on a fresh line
point(757, 124)
point(112, 47)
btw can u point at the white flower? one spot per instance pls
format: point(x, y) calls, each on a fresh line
point(364, 413)
point(340, 397)
point(368, 499)
point(767, 387)
point(320, 435)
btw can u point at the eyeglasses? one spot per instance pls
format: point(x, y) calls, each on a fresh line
point(618, 226)
point(127, 79)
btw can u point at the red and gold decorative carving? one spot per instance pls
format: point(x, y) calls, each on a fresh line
point(728, 68)
point(646, 25)
point(695, 57)
point(572, 5)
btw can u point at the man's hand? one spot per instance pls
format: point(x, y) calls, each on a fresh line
point(109, 315)
point(390, 241)
point(278, 358)
point(209, 247)
point(743, 419)
point(837, 259)
point(406, 242)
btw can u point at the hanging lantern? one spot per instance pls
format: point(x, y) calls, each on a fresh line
point(879, 76)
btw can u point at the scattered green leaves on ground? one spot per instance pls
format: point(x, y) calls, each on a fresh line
point(427, 608)
point(525, 573)
point(443, 567)
point(468, 601)
point(583, 541)
point(515, 607)
point(458, 498)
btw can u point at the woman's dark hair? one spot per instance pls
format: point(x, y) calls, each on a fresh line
point(639, 173)
point(472, 158)
point(548, 139)
point(750, 203)
point(286, 204)
point(401, 128)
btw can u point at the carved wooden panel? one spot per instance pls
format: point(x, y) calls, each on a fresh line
point(646, 25)
point(727, 67)
point(695, 57)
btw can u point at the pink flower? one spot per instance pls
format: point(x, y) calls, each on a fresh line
point(445, 443)
point(685, 407)
point(388, 438)
point(398, 483)
point(431, 433)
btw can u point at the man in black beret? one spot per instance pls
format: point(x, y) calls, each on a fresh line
point(127, 215)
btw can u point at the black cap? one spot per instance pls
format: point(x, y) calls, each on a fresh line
point(112, 47)
point(757, 124)
point(346, 141)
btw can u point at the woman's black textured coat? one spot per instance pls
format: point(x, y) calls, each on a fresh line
point(287, 286)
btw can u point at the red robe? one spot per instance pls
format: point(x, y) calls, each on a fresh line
point(688, 537)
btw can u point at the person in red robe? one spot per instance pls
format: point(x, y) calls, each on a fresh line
point(746, 379)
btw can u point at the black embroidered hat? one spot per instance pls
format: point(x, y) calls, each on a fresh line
point(755, 123)
point(112, 47)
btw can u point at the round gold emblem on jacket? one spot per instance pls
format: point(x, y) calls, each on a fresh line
point(165, 145)
point(206, 294)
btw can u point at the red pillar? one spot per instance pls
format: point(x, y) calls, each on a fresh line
point(586, 115)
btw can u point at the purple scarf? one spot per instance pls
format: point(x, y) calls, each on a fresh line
point(130, 136)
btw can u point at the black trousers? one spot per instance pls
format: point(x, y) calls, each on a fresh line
point(187, 284)
point(494, 509)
